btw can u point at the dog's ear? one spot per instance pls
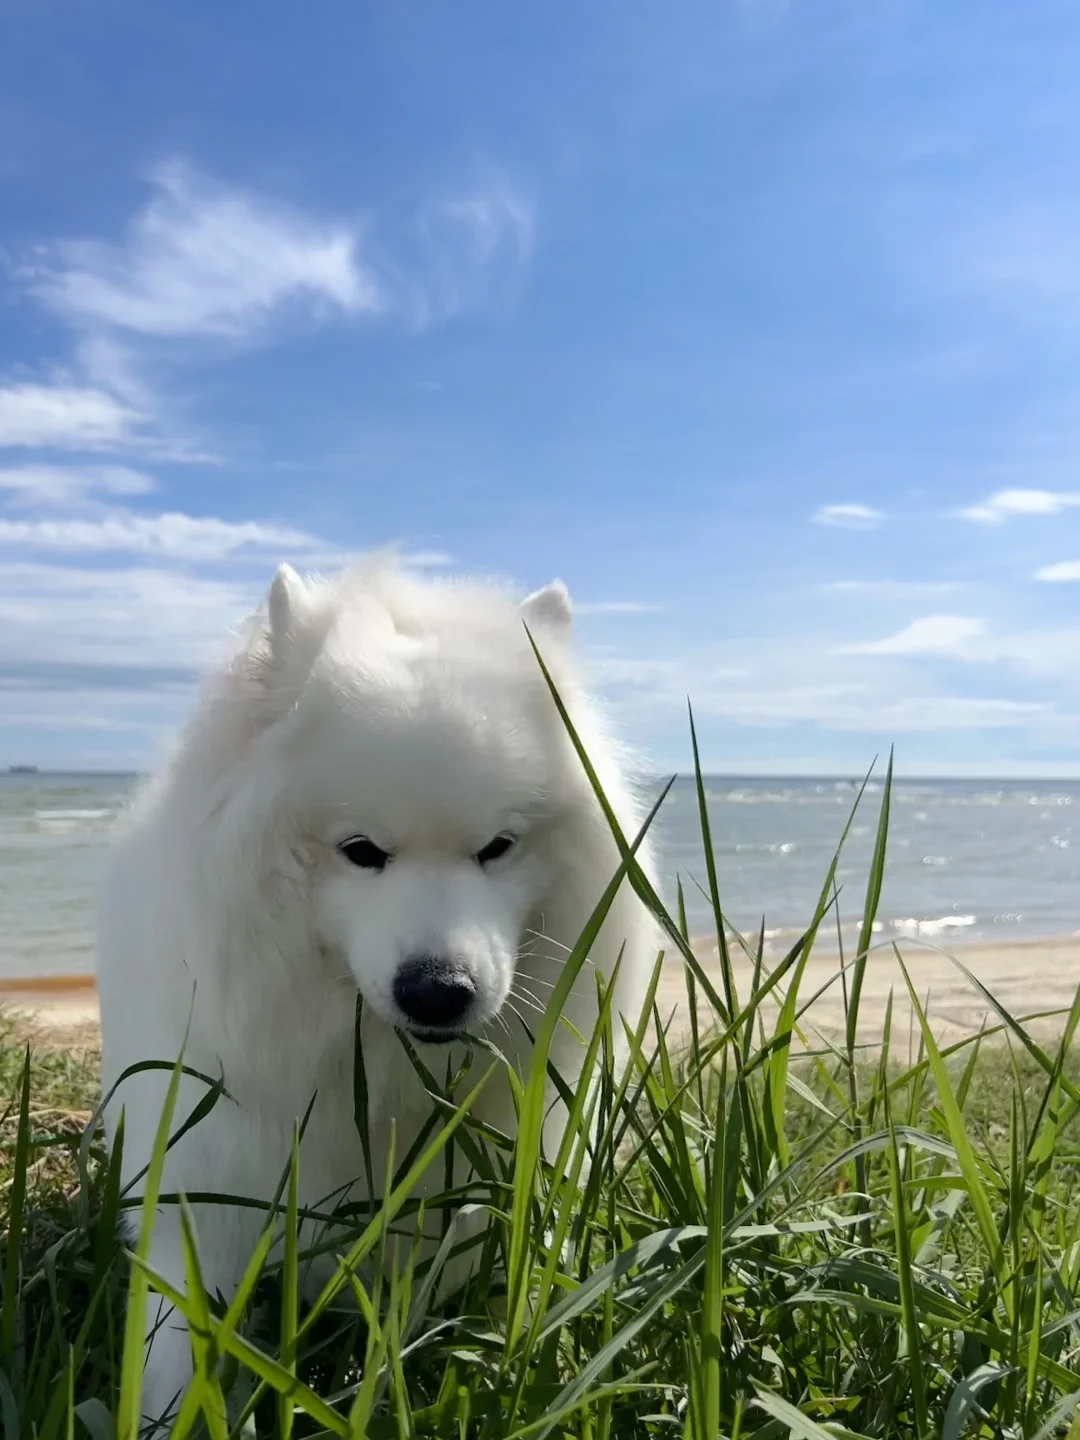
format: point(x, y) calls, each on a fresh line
point(282, 647)
point(548, 609)
point(289, 606)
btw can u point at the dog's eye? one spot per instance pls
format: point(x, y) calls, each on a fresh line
point(495, 849)
point(364, 852)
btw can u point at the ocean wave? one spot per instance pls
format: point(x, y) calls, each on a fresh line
point(938, 925)
point(842, 792)
point(779, 847)
point(103, 814)
point(70, 822)
point(906, 925)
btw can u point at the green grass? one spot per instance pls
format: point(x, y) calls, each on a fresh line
point(732, 1242)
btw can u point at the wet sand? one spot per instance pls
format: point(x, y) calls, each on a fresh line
point(55, 1010)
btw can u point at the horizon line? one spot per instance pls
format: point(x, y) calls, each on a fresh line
point(1067, 773)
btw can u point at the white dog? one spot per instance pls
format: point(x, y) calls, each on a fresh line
point(376, 795)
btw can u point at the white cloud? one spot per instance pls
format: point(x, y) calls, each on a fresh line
point(1019, 255)
point(782, 704)
point(490, 221)
point(931, 635)
point(940, 712)
point(1065, 571)
point(64, 484)
point(142, 629)
point(204, 260)
point(468, 248)
point(419, 559)
point(891, 587)
point(1007, 503)
point(113, 366)
point(193, 539)
point(837, 704)
point(177, 536)
point(615, 607)
point(74, 716)
point(848, 517)
point(64, 625)
point(65, 417)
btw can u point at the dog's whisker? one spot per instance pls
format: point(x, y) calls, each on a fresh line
point(547, 984)
point(541, 935)
point(535, 980)
point(539, 1004)
point(518, 1017)
point(521, 987)
point(554, 960)
point(528, 1000)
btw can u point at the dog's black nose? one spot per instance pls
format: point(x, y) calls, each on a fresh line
point(434, 993)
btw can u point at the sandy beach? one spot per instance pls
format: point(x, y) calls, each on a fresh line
point(1029, 978)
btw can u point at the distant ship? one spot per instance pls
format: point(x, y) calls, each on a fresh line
point(22, 770)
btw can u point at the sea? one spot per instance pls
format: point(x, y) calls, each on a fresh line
point(968, 861)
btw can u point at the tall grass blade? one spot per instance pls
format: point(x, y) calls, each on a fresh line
point(205, 1386)
point(9, 1310)
point(530, 1119)
point(726, 972)
point(712, 1307)
point(973, 1176)
point(870, 909)
point(908, 1306)
point(290, 1287)
point(128, 1416)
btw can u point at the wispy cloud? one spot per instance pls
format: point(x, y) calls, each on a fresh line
point(655, 692)
point(773, 9)
point(74, 716)
point(615, 607)
point(203, 260)
point(68, 484)
point(914, 713)
point(66, 417)
point(136, 628)
point(469, 249)
point(1006, 504)
point(204, 263)
point(884, 587)
point(176, 536)
point(1018, 254)
point(848, 516)
point(1064, 572)
point(142, 629)
point(931, 635)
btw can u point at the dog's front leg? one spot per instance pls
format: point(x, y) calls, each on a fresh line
point(167, 1363)
point(226, 1238)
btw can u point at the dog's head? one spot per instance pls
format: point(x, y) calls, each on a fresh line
point(424, 763)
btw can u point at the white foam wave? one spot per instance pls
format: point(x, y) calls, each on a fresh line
point(73, 815)
point(936, 926)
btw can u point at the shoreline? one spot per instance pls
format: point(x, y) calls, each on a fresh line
point(1028, 977)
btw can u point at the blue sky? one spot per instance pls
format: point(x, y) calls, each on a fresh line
point(756, 322)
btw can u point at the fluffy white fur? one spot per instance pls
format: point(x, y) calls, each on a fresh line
point(410, 712)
